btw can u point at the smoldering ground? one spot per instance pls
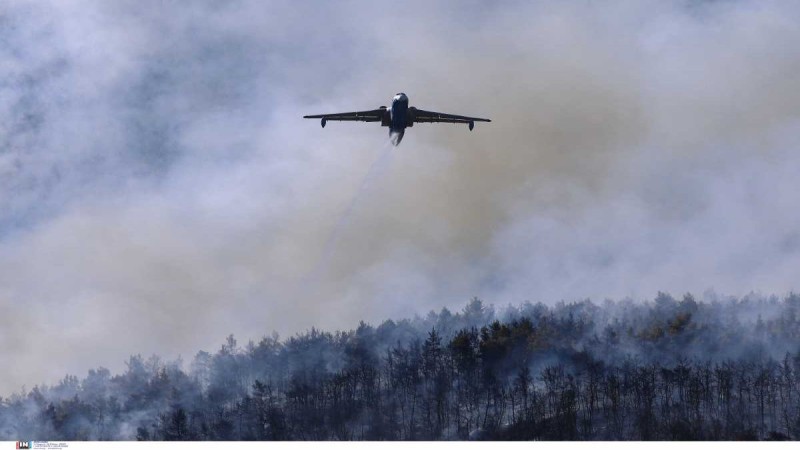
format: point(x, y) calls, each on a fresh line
point(159, 189)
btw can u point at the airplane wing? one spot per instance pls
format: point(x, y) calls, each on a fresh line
point(420, 115)
point(374, 115)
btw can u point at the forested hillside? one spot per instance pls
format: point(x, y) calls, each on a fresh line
point(723, 368)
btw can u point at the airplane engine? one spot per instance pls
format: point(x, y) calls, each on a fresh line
point(471, 125)
point(386, 119)
point(324, 121)
point(411, 113)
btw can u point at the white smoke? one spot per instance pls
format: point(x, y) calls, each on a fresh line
point(160, 190)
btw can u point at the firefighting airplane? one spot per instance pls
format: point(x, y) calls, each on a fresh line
point(398, 117)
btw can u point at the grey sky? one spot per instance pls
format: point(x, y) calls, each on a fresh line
point(159, 189)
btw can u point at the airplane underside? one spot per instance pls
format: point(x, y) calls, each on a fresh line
point(396, 136)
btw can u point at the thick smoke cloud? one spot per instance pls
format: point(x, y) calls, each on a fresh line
point(159, 189)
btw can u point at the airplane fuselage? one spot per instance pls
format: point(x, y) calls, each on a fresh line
point(398, 117)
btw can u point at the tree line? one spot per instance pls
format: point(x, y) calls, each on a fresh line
point(667, 369)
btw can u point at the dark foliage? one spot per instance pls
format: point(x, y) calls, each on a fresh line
point(665, 370)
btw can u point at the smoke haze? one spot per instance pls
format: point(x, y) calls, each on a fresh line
point(159, 189)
